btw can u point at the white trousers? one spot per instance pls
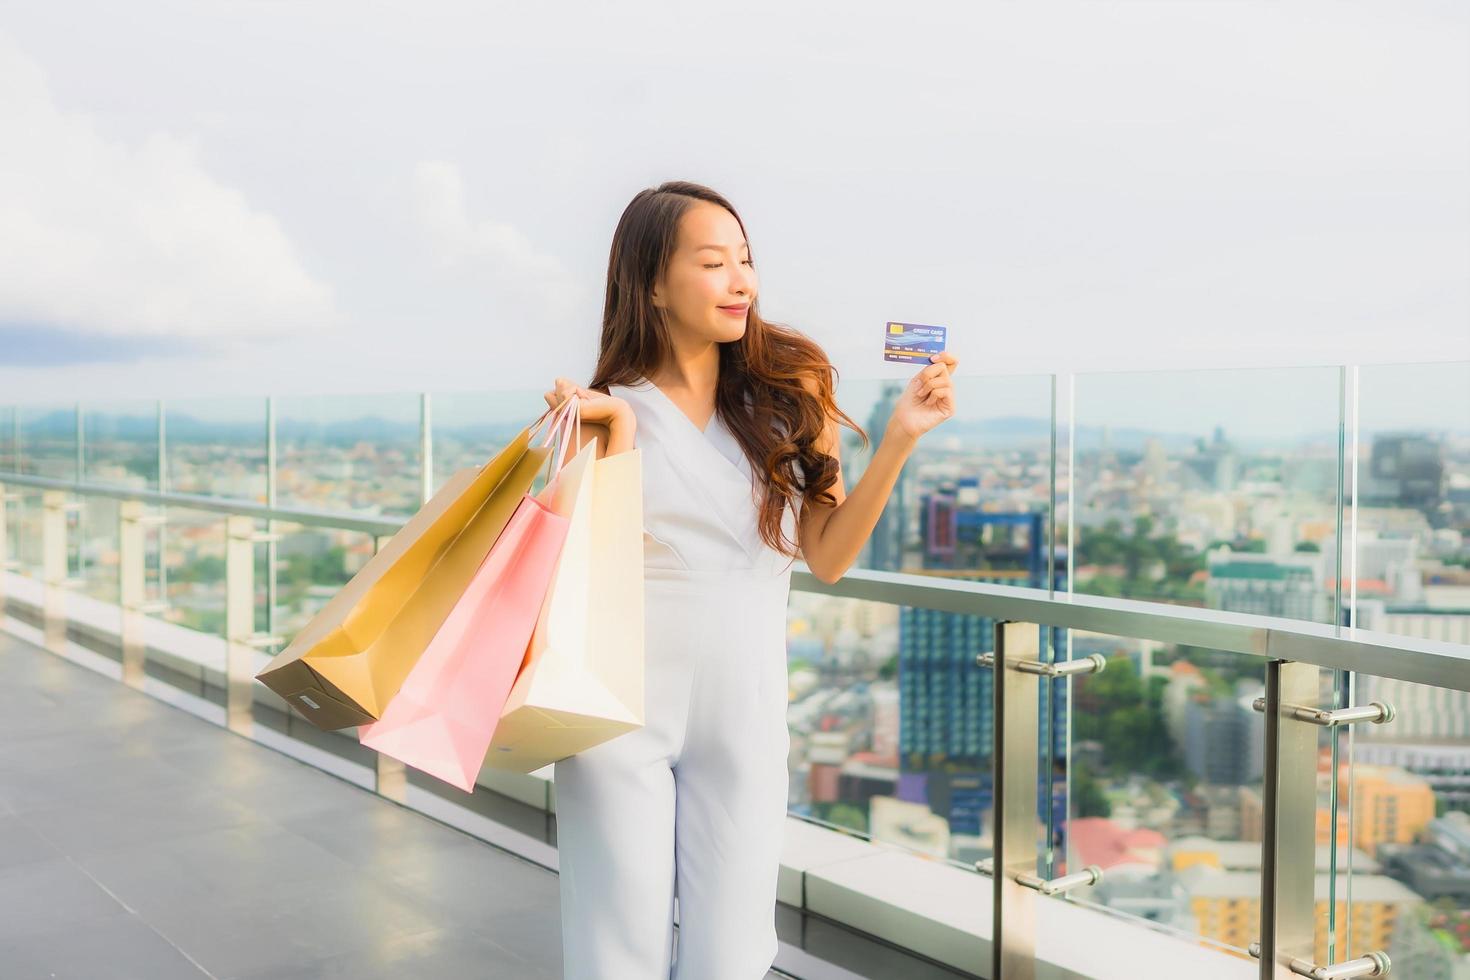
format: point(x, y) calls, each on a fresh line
point(693, 803)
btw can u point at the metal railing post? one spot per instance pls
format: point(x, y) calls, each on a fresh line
point(6, 563)
point(54, 575)
point(391, 777)
point(1017, 689)
point(239, 620)
point(271, 549)
point(241, 639)
point(1013, 929)
point(1289, 848)
point(132, 570)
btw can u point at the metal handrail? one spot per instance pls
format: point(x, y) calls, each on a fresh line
point(1414, 659)
point(337, 520)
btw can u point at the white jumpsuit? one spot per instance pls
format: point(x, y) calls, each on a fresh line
point(696, 799)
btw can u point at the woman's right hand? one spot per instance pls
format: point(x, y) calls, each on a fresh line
point(595, 406)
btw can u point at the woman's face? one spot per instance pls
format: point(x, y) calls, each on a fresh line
point(710, 282)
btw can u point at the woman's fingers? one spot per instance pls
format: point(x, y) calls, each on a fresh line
point(563, 390)
point(929, 386)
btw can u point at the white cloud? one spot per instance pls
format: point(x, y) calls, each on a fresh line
point(503, 260)
point(133, 239)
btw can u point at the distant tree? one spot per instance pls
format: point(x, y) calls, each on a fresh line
point(1127, 718)
point(1309, 546)
point(1088, 799)
point(844, 815)
point(205, 568)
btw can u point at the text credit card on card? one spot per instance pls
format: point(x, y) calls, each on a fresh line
point(912, 343)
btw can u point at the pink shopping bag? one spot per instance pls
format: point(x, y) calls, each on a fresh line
point(442, 719)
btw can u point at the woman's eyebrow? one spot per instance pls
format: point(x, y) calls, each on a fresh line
point(719, 248)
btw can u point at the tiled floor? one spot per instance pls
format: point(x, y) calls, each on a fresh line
point(137, 841)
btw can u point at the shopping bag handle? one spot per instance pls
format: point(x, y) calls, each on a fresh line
point(565, 425)
point(557, 413)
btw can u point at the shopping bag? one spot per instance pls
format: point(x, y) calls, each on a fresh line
point(582, 682)
point(346, 664)
point(441, 720)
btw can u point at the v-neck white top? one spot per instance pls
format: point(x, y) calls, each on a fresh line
point(700, 497)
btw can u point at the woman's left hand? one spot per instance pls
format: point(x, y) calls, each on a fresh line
point(929, 398)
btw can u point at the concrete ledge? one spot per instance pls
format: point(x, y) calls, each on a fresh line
point(930, 907)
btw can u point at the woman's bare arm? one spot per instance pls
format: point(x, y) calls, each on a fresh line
point(613, 438)
point(832, 535)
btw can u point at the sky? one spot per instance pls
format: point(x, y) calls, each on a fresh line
point(292, 198)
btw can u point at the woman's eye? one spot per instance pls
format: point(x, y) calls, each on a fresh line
point(749, 262)
point(714, 266)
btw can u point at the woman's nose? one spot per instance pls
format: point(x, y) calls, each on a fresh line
point(743, 280)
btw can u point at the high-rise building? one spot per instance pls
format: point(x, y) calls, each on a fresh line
point(1430, 733)
point(946, 698)
point(1390, 806)
point(1226, 905)
point(885, 544)
point(1223, 739)
point(1404, 470)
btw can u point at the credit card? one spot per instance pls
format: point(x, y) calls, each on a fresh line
point(912, 343)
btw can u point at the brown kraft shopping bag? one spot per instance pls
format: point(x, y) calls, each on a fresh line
point(350, 659)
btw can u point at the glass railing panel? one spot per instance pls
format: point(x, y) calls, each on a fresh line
point(892, 725)
point(96, 548)
point(1409, 573)
point(354, 453)
point(120, 444)
point(469, 427)
point(1406, 887)
point(48, 440)
point(194, 562)
point(1165, 786)
point(216, 447)
point(1210, 488)
point(1412, 520)
point(313, 563)
point(25, 531)
point(975, 495)
point(9, 443)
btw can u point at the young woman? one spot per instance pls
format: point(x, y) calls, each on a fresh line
point(738, 429)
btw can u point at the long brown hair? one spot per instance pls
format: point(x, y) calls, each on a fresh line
point(785, 376)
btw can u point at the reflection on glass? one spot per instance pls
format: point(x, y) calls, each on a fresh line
point(349, 453)
point(216, 447)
